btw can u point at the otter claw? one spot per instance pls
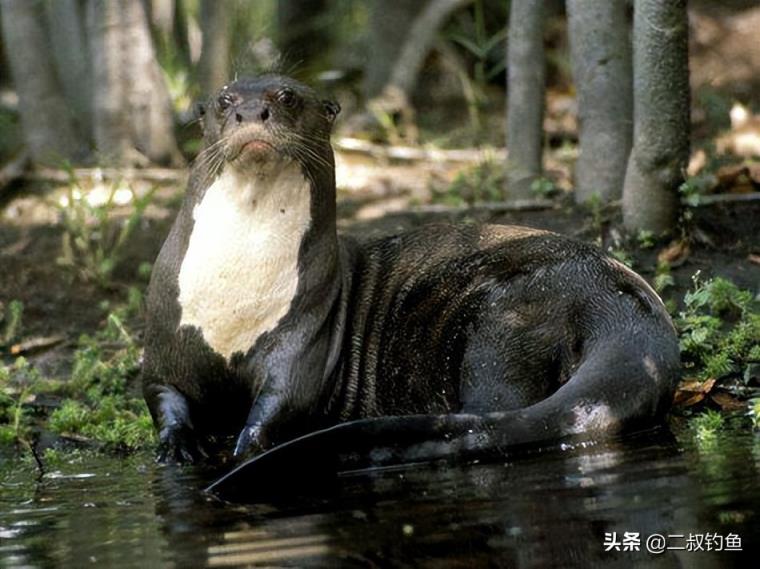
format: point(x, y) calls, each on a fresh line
point(252, 440)
point(179, 446)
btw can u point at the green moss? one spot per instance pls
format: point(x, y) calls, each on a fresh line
point(102, 403)
point(719, 329)
point(69, 417)
point(18, 381)
point(754, 412)
point(116, 422)
point(646, 239)
point(718, 364)
point(7, 435)
point(707, 425)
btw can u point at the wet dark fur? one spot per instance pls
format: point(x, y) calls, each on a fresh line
point(485, 336)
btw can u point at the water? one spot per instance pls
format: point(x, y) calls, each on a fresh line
point(548, 509)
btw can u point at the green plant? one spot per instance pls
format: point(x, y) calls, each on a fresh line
point(694, 187)
point(177, 78)
point(716, 106)
point(100, 403)
point(18, 382)
point(10, 133)
point(10, 318)
point(482, 182)
point(646, 239)
point(485, 47)
point(719, 329)
point(754, 412)
point(471, 34)
point(93, 238)
point(707, 425)
point(663, 279)
point(386, 119)
point(595, 208)
point(110, 422)
point(622, 255)
point(543, 187)
point(144, 270)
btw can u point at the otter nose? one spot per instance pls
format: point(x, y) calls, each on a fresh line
point(252, 112)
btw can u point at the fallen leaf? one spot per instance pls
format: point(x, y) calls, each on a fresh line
point(735, 179)
point(727, 402)
point(675, 254)
point(692, 391)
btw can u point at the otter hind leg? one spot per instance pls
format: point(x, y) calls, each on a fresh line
point(508, 364)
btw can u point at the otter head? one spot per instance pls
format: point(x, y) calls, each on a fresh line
point(256, 124)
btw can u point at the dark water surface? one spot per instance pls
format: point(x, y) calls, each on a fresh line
point(548, 509)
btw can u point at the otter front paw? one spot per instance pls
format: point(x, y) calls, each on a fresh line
point(252, 440)
point(178, 445)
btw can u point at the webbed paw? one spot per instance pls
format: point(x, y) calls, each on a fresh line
point(251, 441)
point(179, 445)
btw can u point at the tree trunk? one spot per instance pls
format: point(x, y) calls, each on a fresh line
point(160, 14)
point(422, 33)
point(111, 130)
point(181, 36)
point(661, 106)
point(301, 25)
point(526, 72)
point(65, 22)
point(600, 46)
point(4, 71)
point(213, 67)
point(389, 25)
point(151, 113)
point(132, 109)
point(163, 17)
point(394, 99)
point(46, 119)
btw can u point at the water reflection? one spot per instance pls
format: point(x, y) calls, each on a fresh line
point(546, 510)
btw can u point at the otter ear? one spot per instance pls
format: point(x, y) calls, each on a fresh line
point(331, 110)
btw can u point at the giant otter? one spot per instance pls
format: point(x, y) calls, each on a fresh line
point(446, 340)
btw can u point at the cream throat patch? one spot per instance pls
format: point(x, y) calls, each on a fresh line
point(240, 272)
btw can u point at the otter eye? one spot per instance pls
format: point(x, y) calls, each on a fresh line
point(286, 97)
point(225, 101)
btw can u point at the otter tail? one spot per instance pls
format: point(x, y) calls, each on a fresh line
point(618, 387)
